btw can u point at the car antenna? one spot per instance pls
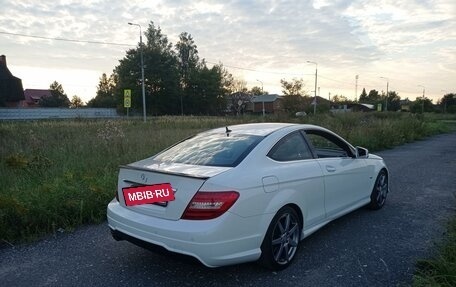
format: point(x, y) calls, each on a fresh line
point(228, 131)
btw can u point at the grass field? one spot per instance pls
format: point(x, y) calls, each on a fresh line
point(440, 270)
point(60, 174)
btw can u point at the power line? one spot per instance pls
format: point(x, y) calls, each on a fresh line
point(259, 71)
point(129, 45)
point(329, 79)
point(67, 40)
point(279, 73)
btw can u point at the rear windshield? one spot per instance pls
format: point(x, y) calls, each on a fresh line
point(211, 150)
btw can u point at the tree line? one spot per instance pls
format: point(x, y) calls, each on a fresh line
point(177, 81)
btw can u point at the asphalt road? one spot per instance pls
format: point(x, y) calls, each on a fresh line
point(364, 248)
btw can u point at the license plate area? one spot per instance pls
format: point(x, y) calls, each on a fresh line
point(157, 194)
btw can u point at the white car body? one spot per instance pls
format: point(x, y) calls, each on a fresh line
point(319, 189)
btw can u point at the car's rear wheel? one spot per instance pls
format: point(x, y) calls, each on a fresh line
point(380, 191)
point(281, 242)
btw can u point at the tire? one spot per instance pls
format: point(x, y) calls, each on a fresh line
point(380, 191)
point(281, 242)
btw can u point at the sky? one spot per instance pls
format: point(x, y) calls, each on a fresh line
point(408, 45)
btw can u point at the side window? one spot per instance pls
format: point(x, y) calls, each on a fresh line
point(327, 146)
point(292, 147)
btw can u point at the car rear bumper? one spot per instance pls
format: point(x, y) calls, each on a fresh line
point(228, 239)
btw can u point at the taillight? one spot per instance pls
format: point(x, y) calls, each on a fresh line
point(209, 205)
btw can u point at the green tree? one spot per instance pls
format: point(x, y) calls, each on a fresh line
point(293, 90)
point(162, 79)
point(394, 101)
point(206, 91)
point(76, 102)
point(363, 96)
point(373, 97)
point(175, 81)
point(341, 100)
point(161, 75)
point(422, 104)
point(187, 54)
point(448, 103)
point(293, 103)
point(238, 85)
point(156, 40)
point(257, 91)
point(189, 68)
point(293, 87)
point(105, 97)
point(58, 97)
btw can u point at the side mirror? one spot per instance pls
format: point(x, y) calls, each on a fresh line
point(362, 152)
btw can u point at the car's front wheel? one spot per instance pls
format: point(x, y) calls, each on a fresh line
point(380, 190)
point(281, 242)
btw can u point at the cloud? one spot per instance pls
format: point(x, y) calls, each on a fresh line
point(344, 37)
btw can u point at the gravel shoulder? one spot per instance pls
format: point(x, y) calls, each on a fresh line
point(364, 248)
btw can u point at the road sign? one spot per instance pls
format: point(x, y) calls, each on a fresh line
point(127, 98)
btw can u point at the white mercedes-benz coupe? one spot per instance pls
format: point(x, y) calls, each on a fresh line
point(245, 192)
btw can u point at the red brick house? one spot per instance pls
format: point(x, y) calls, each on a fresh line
point(33, 97)
point(270, 102)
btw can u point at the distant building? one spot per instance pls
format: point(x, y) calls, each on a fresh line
point(271, 104)
point(33, 97)
point(237, 103)
point(11, 91)
point(405, 105)
point(310, 101)
point(352, 107)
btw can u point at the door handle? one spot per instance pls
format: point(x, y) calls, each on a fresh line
point(330, 168)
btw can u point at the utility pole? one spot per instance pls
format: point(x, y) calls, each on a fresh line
point(422, 101)
point(315, 91)
point(262, 94)
point(142, 70)
point(445, 103)
point(386, 98)
point(356, 88)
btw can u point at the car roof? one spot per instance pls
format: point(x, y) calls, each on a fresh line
point(259, 129)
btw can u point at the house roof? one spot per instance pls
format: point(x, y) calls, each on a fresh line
point(36, 94)
point(369, 106)
point(10, 86)
point(265, 98)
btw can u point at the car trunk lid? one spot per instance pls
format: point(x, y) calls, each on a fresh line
point(185, 181)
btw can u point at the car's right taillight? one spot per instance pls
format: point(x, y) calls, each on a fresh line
point(208, 205)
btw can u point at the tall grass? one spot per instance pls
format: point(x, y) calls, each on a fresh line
point(56, 175)
point(441, 270)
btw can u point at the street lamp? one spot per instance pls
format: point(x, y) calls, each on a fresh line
point(142, 70)
point(262, 93)
point(386, 99)
point(422, 102)
point(261, 85)
point(316, 76)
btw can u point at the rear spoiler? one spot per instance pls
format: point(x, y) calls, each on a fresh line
point(163, 172)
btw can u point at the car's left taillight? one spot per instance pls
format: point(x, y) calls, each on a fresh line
point(208, 205)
